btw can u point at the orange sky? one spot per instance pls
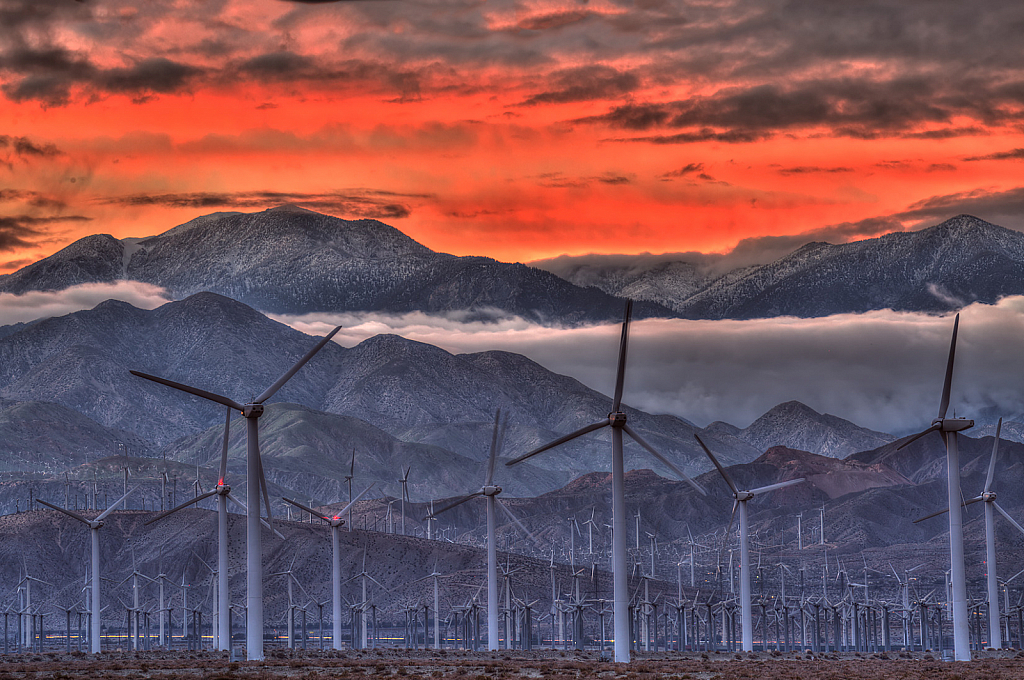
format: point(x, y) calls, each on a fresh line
point(518, 130)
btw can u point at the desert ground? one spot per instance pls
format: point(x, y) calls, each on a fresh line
point(552, 665)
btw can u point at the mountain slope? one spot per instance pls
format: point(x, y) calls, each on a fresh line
point(937, 269)
point(291, 261)
point(798, 426)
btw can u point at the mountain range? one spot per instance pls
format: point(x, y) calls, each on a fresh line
point(292, 260)
point(938, 269)
point(289, 260)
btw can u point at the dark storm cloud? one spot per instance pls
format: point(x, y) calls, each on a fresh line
point(558, 180)
point(1012, 154)
point(26, 147)
point(850, 108)
point(50, 75)
point(25, 231)
point(688, 169)
point(373, 204)
point(585, 84)
point(35, 199)
point(812, 170)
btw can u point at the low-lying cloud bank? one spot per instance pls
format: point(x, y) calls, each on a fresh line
point(881, 369)
point(44, 304)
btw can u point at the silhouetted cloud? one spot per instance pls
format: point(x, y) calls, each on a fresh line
point(812, 170)
point(24, 231)
point(374, 204)
point(583, 84)
point(1012, 154)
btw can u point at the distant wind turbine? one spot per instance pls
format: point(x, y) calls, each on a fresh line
point(491, 492)
point(94, 525)
point(336, 523)
point(740, 499)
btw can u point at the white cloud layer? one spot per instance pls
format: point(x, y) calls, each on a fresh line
point(44, 304)
point(881, 369)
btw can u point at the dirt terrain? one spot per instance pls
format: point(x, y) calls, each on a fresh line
point(456, 665)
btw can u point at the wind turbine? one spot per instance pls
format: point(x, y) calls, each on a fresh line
point(617, 421)
point(490, 492)
point(94, 525)
point(348, 480)
point(948, 427)
point(740, 499)
point(405, 493)
point(336, 523)
point(255, 481)
point(991, 507)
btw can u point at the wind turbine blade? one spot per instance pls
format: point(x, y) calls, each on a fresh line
point(113, 506)
point(515, 520)
point(64, 510)
point(179, 507)
point(682, 475)
point(239, 503)
point(494, 450)
point(224, 452)
point(773, 487)
point(945, 510)
point(732, 517)
point(948, 383)
point(995, 452)
point(937, 426)
point(299, 364)
point(266, 496)
point(230, 403)
point(354, 500)
point(311, 511)
point(459, 502)
point(620, 371)
point(561, 440)
point(352, 465)
point(721, 470)
point(1007, 516)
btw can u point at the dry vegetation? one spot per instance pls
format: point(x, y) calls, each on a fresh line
point(546, 665)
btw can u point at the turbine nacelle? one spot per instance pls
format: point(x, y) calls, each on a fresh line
point(952, 424)
point(988, 496)
point(252, 410)
point(743, 495)
point(223, 489)
point(491, 490)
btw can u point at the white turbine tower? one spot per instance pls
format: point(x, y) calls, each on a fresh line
point(336, 523)
point(255, 482)
point(94, 525)
point(490, 492)
point(740, 499)
point(948, 427)
point(991, 507)
point(617, 421)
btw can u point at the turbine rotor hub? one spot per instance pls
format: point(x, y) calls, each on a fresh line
point(743, 496)
point(223, 489)
point(617, 419)
point(252, 410)
point(491, 490)
point(988, 496)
